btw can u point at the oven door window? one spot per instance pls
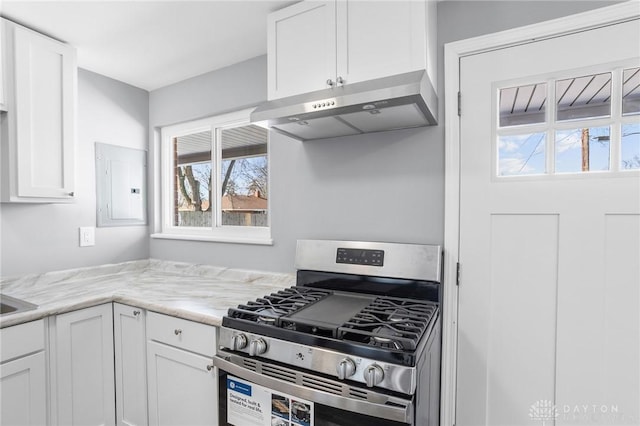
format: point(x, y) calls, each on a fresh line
point(242, 403)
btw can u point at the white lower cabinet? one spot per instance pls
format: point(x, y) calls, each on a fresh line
point(82, 367)
point(110, 364)
point(23, 379)
point(182, 382)
point(130, 365)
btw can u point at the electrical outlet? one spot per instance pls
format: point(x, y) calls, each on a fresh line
point(87, 236)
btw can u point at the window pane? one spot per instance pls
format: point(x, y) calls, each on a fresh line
point(521, 154)
point(523, 105)
point(244, 176)
point(192, 195)
point(582, 150)
point(584, 97)
point(631, 91)
point(630, 158)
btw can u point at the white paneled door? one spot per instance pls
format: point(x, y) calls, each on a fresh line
point(549, 302)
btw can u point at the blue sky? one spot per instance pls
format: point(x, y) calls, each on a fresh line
point(525, 154)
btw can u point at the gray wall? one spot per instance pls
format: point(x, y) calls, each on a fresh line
point(466, 19)
point(44, 237)
point(381, 187)
point(377, 187)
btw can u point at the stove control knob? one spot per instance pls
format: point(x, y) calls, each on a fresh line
point(346, 368)
point(373, 375)
point(238, 341)
point(257, 347)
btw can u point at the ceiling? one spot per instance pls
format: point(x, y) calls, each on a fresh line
point(151, 44)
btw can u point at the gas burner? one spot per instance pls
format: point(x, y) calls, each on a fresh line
point(391, 323)
point(384, 336)
point(392, 334)
point(268, 316)
point(395, 318)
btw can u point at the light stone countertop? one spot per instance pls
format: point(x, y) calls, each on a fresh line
point(199, 293)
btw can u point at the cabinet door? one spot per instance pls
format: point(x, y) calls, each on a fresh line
point(23, 390)
point(84, 377)
point(130, 364)
point(380, 38)
point(301, 46)
point(45, 79)
point(182, 387)
point(2, 71)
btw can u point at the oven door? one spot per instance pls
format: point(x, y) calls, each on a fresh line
point(255, 393)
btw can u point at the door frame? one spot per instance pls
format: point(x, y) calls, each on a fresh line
point(453, 52)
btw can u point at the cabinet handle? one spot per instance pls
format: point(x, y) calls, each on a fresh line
point(136, 313)
point(71, 194)
point(340, 81)
point(209, 367)
point(177, 331)
point(330, 82)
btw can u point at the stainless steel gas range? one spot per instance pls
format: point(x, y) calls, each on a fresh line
point(355, 342)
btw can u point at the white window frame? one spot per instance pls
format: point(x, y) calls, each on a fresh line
point(216, 233)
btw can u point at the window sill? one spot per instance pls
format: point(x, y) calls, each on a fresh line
point(265, 241)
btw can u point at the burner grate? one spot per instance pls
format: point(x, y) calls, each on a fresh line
point(390, 323)
point(269, 309)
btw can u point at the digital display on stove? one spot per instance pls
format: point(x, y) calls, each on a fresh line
point(360, 256)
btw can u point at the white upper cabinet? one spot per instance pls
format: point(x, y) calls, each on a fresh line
point(2, 73)
point(38, 131)
point(379, 39)
point(301, 48)
point(318, 45)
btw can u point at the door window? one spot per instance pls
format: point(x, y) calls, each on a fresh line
point(574, 124)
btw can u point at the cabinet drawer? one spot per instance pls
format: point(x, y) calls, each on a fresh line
point(184, 334)
point(21, 340)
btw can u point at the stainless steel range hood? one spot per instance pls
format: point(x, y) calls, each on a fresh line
point(389, 103)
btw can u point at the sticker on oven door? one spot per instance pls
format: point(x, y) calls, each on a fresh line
point(249, 404)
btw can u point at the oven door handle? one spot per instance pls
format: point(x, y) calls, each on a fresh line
point(390, 408)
